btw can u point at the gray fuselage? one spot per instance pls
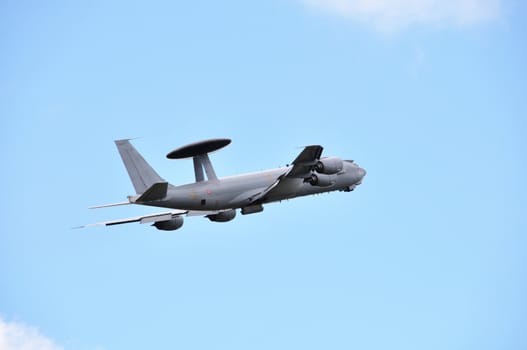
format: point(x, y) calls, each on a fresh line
point(233, 192)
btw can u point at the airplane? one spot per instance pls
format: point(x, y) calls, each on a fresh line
point(218, 198)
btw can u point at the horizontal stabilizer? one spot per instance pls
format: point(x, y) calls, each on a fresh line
point(109, 205)
point(155, 192)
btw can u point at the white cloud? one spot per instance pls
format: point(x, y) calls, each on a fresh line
point(18, 336)
point(391, 15)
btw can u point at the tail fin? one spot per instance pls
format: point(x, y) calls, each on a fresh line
point(140, 172)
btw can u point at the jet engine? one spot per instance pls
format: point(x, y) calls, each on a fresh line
point(224, 216)
point(321, 180)
point(330, 165)
point(169, 225)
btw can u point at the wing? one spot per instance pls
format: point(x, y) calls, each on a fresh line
point(152, 218)
point(302, 167)
point(264, 191)
point(306, 160)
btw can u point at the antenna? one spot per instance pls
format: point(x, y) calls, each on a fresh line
point(199, 152)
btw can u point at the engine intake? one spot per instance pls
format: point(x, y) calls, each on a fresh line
point(321, 180)
point(329, 166)
point(169, 225)
point(224, 216)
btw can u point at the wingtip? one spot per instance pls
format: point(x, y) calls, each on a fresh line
point(88, 225)
point(125, 140)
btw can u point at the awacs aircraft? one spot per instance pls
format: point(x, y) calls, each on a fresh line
point(218, 198)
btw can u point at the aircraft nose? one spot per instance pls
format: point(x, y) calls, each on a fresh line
point(361, 172)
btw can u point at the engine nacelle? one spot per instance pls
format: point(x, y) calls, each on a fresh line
point(224, 216)
point(169, 225)
point(252, 209)
point(322, 180)
point(330, 165)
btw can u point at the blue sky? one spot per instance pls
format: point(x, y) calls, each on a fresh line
point(428, 96)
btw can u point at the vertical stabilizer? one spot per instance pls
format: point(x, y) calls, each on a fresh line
point(140, 172)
